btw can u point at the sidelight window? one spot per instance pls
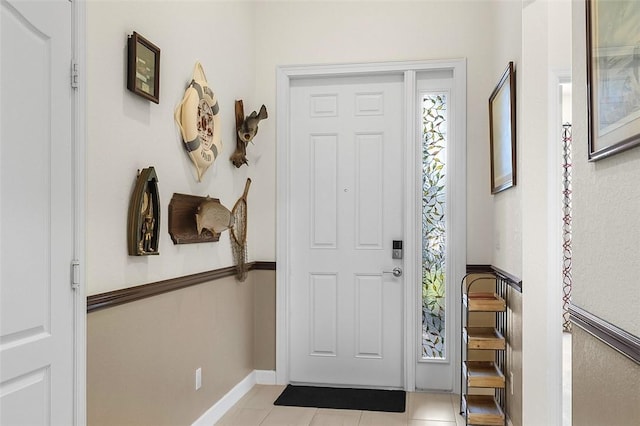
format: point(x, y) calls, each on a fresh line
point(434, 142)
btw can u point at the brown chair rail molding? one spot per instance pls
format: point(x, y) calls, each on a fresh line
point(620, 340)
point(118, 297)
point(510, 279)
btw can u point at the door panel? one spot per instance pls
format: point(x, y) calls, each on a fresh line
point(369, 190)
point(346, 208)
point(324, 195)
point(36, 214)
point(369, 305)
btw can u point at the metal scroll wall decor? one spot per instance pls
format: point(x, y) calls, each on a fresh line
point(144, 215)
point(567, 279)
point(198, 118)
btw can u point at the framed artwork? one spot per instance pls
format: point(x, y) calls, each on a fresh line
point(613, 76)
point(143, 68)
point(502, 131)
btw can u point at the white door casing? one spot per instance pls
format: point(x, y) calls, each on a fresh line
point(346, 205)
point(441, 374)
point(412, 72)
point(39, 211)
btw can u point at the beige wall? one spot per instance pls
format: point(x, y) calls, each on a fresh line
point(606, 232)
point(302, 33)
point(126, 132)
point(142, 356)
point(239, 45)
point(606, 385)
point(507, 205)
point(264, 343)
point(606, 223)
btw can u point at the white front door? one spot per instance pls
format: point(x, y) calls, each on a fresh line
point(346, 209)
point(36, 214)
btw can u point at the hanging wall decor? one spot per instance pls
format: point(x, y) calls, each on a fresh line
point(143, 68)
point(195, 219)
point(144, 215)
point(213, 217)
point(239, 234)
point(198, 118)
point(246, 130)
point(613, 77)
point(502, 131)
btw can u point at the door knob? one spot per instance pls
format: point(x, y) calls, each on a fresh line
point(397, 272)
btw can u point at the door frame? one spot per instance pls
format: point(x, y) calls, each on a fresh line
point(412, 178)
point(79, 147)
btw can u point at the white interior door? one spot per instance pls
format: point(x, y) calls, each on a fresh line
point(346, 209)
point(36, 214)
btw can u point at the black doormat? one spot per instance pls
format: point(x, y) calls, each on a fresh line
point(392, 401)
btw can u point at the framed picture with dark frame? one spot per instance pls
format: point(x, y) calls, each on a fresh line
point(613, 76)
point(143, 68)
point(502, 131)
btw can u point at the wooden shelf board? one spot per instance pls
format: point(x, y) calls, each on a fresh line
point(483, 374)
point(484, 338)
point(484, 302)
point(483, 410)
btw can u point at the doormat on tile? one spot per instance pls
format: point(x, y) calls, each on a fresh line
point(392, 401)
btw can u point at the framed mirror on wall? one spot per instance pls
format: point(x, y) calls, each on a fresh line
point(502, 131)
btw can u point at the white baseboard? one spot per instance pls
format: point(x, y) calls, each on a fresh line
point(215, 413)
point(265, 377)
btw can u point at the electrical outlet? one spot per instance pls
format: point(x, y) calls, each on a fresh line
point(199, 378)
point(511, 381)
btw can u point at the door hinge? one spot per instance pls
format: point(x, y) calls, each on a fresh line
point(74, 74)
point(75, 274)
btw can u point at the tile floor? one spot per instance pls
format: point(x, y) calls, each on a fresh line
point(423, 409)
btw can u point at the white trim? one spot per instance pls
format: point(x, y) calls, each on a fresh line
point(282, 221)
point(224, 404)
point(80, 132)
point(412, 242)
point(458, 189)
point(299, 71)
point(554, 249)
point(284, 75)
point(265, 377)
